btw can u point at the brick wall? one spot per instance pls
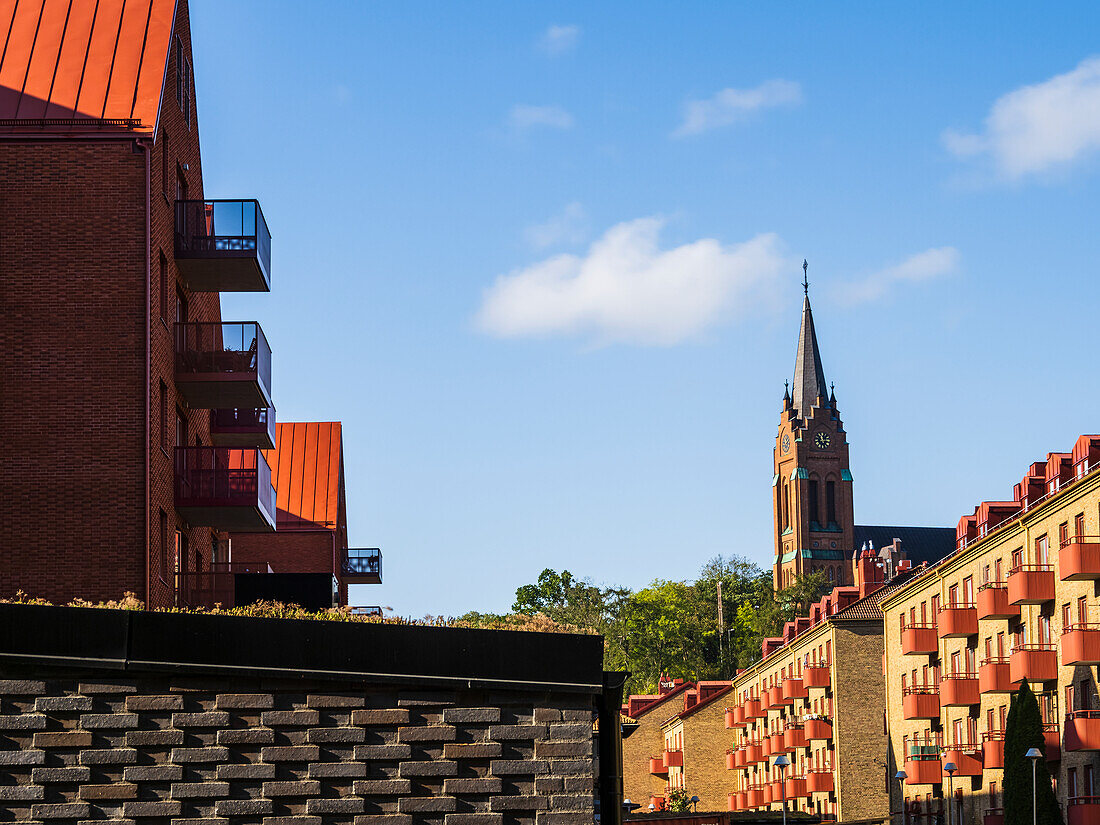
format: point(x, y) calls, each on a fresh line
point(296, 551)
point(647, 740)
point(705, 743)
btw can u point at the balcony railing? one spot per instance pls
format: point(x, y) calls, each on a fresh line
point(967, 758)
point(993, 749)
point(1034, 662)
point(657, 766)
point(1083, 810)
point(367, 610)
point(794, 737)
point(243, 428)
point(1081, 644)
point(793, 689)
point(993, 602)
point(1052, 740)
point(819, 780)
point(995, 676)
point(674, 758)
point(921, 702)
point(957, 620)
point(818, 729)
point(223, 246)
point(223, 365)
point(1031, 584)
point(959, 690)
point(816, 676)
point(213, 587)
point(919, 639)
point(1083, 730)
point(225, 488)
point(363, 566)
point(1079, 559)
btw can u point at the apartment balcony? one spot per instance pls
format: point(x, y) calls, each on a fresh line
point(1079, 559)
point(775, 790)
point(794, 737)
point(819, 781)
point(816, 676)
point(796, 787)
point(754, 709)
point(993, 749)
point(919, 640)
point(223, 246)
point(673, 758)
point(731, 761)
point(818, 729)
point(363, 565)
point(994, 676)
point(967, 757)
point(1034, 662)
point(1081, 644)
point(957, 621)
point(993, 816)
point(215, 586)
point(754, 752)
point(657, 766)
point(992, 602)
point(1031, 584)
point(959, 690)
point(658, 803)
point(243, 428)
point(367, 610)
point(923, 769)
point(775, 698)
point(225, 488)
point(1083, 810)
point(223, 365)
point(1052, 741)
point(732, 802)
point(793, 689)
point(1083, 730)
point(921, 702)
point(755, 797)
point(739, 760)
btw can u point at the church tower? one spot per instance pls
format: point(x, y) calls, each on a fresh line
point(812, 485)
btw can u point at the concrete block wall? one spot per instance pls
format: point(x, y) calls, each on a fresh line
point(189, 750)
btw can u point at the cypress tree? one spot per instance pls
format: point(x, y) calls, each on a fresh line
point(1023, 731)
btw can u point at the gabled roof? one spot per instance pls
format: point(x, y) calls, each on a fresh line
point(868, 607)
point(67, 59)
point(809, 375)
point(920, 544)
point(306, 473)
point(660, 700)
point(709, 700)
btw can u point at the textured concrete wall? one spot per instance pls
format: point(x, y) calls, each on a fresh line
point(77, 746)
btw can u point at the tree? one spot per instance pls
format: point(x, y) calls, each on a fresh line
point(1023, 731)
point(678, 800)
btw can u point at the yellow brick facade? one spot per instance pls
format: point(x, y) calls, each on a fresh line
point(701, 736)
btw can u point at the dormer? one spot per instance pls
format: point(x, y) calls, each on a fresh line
point(1085, 455)
point(1059, 471)
point(1032, 487)
point(967, 530)
point(991, 514)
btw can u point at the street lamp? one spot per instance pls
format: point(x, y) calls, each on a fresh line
point(782, 762)
point(694, 804)
point(1033, 754)
point(950, 767)
point(901, 776)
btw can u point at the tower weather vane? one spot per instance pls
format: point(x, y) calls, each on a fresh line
point(805, 283)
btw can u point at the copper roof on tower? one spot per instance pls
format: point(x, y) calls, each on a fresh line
point(809, 377)
point(83, 60)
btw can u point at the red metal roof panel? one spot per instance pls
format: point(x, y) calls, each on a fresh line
point(305, 466)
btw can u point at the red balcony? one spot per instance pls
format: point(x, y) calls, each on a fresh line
point(775, 698)
point(739, 760)
point(223, 365)
point(793, 689)
point(993, 602)
point(816, 676)
point(957, 621)
point(658, 803)
point(993, 749)
point(766, 790)
point(223, 246)
point(362, 565)
point(731, 802)
point(224, 488)
point(1081, 644)
point(1083, 730)
point(921, 702)
point(754, 709)
point(735, 717)
point(657, 766)
point(958, 690)
point(775, 790)
point(731, 760)
point(968, 758)
point(674, 758)
point(1035, 662)
point(243, 428)
point(923, 770)
point(994, 816)
point(819, 781)
point(817, 729)
point(754, 797)
point(796, 787)
point(1031, 584)
point(1079, 559)
point(794, 737)
point(919, 639)
point(1052, 741)
point(994, 676)
point(1083, 810)
point(754, 752)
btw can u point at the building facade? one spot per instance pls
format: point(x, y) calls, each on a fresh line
point(1016, 601)
point(645, 774)
point(694, 742)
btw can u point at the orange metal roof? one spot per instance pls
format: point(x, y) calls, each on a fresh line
point(305, 470)
point(84, 58)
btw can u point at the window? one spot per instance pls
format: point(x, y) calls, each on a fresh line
point(1063, 534)
point(953, 595)
point(1001, 644)
point(997, 571)
point(814, 516)
point(163, 280)
point(181, 429)
point(935, 607)
point(183, 81)
point(1044, 630)
point(165, 167)
point(1071, 782)
point(832, 575)
point(985, 574)
point(1042, 545)
point(1082, 610)
point(164, 427)
point(181, 307)
point(968, 590)
point(988, 647)
point(1088, 791)
point(830, 501)
point(1066, 620)
point(163, 539)
point(1017, 557)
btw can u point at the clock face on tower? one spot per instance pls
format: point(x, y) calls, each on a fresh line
point(822, 440)
point(786, 442)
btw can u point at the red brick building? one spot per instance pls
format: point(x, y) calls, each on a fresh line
point(130, 408)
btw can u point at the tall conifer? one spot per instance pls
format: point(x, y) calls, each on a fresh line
point(1023, 731)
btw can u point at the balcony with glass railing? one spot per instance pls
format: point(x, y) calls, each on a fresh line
point(226, 488)
point(363, 566)
point(243, 428)
point(223, 246)
point(221, 365)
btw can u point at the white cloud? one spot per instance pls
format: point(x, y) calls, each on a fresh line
point(568, 226)
point(523, 118)
point(1040, 127)
point(731, 105)
point(627, 289)
point(932, 263)
point(560, 39)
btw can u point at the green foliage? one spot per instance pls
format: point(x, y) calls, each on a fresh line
point(1023, 731)
point(679, 800)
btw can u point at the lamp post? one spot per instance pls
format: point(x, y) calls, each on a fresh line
point(950, 767)
point(901, 776)
point(1033, 754)
point(694, 804)
point(782, 762)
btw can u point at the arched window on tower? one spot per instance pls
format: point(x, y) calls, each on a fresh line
point(830, 501)
point(832, 575)
point(814, 517)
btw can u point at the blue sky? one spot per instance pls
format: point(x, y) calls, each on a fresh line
point(543, 260)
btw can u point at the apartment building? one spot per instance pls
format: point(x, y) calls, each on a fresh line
point(645, 775)
point(694, 743)
point(1016, 601)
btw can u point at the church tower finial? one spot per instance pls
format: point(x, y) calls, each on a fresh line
point(809, 376)
point(805, 283)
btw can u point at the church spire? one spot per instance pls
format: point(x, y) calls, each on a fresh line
point(809, 376)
